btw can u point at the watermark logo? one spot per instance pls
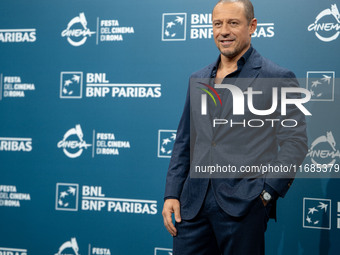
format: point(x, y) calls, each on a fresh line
point(323, 151)
point(324, 29)
point(77, 29)
point(204, 97)
point(67, 197)
point(71, 84)
point(317, 213)
point(69, 248)
point(166, 140)
point(73, 143)
point(321, 85)
point(162, 251)
point(174, 26)
point(238, 100)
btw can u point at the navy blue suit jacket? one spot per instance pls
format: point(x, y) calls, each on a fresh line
point(236, 146)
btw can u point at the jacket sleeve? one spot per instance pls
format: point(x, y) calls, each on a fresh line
point(292, 141)
point(180, 159)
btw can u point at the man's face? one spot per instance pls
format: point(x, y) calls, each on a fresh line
point(232, 33)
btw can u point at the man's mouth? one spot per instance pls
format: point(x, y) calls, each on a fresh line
point(226, 42)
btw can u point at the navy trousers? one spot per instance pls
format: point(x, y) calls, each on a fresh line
point(214, 232)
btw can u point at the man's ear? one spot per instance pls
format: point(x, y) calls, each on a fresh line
point(252, 26)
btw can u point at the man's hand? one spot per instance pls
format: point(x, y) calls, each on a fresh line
point(171, 206)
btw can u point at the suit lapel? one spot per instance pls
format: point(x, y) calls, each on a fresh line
point(248, 74)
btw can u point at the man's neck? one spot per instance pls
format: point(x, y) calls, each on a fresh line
point(229, 65)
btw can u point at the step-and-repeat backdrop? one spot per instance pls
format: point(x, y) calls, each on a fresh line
point(91, 93)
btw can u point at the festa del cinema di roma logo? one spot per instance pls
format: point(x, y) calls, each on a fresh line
point(323, 150)
point(77, 28)
point(73, 148)
point(324, 26)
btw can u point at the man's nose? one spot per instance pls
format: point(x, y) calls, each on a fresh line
point(225, 30)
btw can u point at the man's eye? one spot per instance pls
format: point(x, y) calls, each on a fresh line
point(217, 24)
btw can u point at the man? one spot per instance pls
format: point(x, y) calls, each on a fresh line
point(229, 215)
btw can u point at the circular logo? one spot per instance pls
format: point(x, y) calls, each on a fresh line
point(323, 150)
point(73, 148)
point(72, 31)
point(322, 28)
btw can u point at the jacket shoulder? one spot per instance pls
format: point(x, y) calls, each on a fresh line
point(270, 69)
point(204, 72)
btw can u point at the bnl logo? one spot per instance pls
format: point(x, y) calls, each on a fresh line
point(67, 197)
point(321, 85)
point(174, 26)
point(317, 213)
point(71, 84)
point(166, 140)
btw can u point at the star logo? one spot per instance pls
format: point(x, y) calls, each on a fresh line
point(67, 197)
point(174, 26)
point(316, 213)
point(321, 85)
point(71, 84)
point(166, 140)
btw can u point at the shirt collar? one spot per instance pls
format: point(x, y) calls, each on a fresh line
point(240, 63)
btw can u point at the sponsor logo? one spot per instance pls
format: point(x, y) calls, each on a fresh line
point(13, 86)
point(12, 251)
point(321, 85)
point(77, 31)
point(265, 30)
point(327, 24)
point(20, 35)
point(174, 26)
point(69, 248)
point(317, 213)
point(162, 251)
point(111, 31)
point(93, 199)
point(99, 251)
point(166, 140)
point(15, 144)
point(71, 84)
point(98, 86)
point(104, 143)
point(323, 150)
point(72, 248)
point(73, 143)
point(10, 197)
point(108, 30)
point(67, 197)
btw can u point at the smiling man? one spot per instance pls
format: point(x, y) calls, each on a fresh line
point(229, 215)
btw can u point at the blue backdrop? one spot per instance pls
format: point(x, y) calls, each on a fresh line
point(91, 93)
